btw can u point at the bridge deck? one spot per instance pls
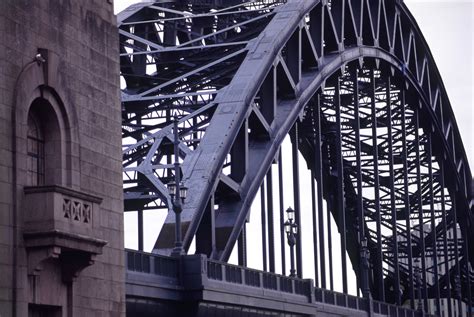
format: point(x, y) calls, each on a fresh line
point(209, 287)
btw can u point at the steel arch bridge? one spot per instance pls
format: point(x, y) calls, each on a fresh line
point(354, 86)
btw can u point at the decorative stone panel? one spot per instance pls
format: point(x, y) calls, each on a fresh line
point(77, 210)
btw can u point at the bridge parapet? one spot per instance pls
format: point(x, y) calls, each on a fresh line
point(152, 264)
point(238, 275)
point(195, 278)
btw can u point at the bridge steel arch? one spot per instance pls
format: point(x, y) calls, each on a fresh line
point(355, 86)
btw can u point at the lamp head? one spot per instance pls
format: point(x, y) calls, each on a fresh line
point(290, 213)
point(172, 189)
point(183, 191)
point(294, 228)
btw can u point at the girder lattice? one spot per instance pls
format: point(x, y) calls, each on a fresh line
point(356, 87)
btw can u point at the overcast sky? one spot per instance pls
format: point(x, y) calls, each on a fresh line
point(449, 30)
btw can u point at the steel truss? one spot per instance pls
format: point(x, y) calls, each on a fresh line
point(355, 86)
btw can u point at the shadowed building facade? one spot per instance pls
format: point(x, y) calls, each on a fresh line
point(61, 227)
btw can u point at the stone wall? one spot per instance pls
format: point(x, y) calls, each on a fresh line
point(51, 264)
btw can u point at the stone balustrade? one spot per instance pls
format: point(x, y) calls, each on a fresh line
point(58, 208)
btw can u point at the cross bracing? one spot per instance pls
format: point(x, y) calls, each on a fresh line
point(354, 85)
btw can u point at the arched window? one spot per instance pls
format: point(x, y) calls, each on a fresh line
point(35, 151)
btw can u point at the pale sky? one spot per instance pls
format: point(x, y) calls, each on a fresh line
point(449, 30)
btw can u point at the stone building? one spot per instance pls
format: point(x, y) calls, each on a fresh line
point(61, 220)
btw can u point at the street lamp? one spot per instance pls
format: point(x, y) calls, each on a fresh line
point(178, 193)
point(418, 285)
point(365, 257)
point(457, 286)
point(291, 229)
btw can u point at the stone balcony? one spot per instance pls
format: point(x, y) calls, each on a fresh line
point(61, 223)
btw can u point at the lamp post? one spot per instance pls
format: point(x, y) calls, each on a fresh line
point(418, 286)
point(458, 290)
point(177, 193)
point(291, 229)
point(365, 256)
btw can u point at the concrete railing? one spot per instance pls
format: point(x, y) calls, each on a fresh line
point(340, 299)
point(142, 262)
point(196, 272)
point(253, 278)
point(393, 310)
